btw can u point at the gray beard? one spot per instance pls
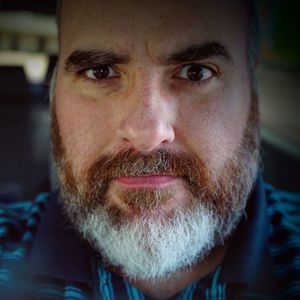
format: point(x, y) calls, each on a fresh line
point(146, 249)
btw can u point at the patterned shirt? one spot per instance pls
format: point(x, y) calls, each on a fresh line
point(41, 256)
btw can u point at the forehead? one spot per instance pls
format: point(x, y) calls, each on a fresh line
point(150, 25)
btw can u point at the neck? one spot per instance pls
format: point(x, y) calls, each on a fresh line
point(167, 287)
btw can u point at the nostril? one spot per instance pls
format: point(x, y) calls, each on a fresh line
point(146, 127)
point(147, 137)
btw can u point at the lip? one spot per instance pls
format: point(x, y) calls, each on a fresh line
point(153, 181)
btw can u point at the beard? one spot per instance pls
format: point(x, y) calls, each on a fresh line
point(155, 245)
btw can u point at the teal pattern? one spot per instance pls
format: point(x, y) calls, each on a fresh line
point(20, 225)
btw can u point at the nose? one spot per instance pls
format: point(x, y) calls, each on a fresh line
point(147, 123)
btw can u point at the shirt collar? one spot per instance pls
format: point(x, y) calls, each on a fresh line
point(58, 252)
point(248, 260)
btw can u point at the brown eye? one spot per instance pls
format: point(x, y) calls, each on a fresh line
point(195, 72)
point(100, 72)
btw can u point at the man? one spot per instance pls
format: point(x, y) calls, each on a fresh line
point(155, 137)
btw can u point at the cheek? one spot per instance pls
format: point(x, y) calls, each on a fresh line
point(213, 128)
point(84, 126)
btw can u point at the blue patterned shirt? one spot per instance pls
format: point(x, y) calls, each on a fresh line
point(41, 257)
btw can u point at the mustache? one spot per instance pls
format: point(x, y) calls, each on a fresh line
point(132, 163)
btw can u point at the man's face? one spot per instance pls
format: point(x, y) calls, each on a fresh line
point(154, 125)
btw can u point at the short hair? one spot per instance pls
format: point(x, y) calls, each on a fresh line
point(253, 38)
point(253, 34)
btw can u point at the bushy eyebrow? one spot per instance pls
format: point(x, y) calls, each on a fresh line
point(80, 59)
point(199, 52)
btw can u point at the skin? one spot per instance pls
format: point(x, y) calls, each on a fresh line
point(149, 105)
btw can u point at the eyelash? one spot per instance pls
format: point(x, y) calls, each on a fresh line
point(215, 73)
point(81, 74)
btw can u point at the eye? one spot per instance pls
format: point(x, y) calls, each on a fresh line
point(196, 72)
point(100, 72)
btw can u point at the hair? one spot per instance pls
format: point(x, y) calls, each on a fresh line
point(253, 39)
point(253, 34)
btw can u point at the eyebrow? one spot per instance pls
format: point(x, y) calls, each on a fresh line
point(200, 52)
point(80, 59)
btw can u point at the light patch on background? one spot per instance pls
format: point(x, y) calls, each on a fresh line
point(35, 64)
